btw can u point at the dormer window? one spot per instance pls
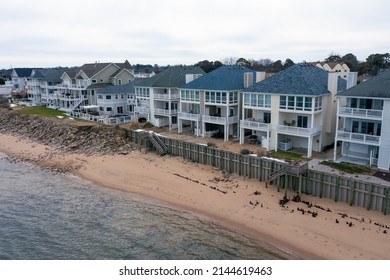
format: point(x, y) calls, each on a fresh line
point(119, 81)
point(94, 81)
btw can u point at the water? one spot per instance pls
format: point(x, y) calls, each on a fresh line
point(51, 216)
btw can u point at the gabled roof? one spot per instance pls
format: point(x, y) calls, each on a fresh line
point(222, 78)
point(378, 86)
point(172, 77)
point(91, 69)
point(23, 72)
point(37, 75)
point(127, 88)
point(299, 79)
point(331, 64)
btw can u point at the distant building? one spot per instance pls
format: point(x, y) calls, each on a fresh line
point(339, 67)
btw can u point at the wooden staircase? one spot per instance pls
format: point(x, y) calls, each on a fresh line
point(161, 148)
point(276, 174)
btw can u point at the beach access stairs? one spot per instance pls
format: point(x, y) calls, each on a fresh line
point(161, 148)
point(276, 174)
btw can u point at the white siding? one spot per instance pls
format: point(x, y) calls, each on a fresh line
point(384, 150)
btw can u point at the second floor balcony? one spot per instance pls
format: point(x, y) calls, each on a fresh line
point(360, 113)
point(166, 96)
point(141, 110)
point(220, 120)
point(189, 116)
point(344, 134)
point(255, 125)
point(298, 131)
point(165, 112)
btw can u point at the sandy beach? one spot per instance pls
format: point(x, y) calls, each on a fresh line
point(243, 205)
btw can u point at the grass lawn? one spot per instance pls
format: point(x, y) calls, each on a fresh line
point(350, 167)
point(288, 156)
point(41, 111)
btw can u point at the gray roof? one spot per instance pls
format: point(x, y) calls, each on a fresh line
point(127, 88)
point(378, 86)
point(222, 78)
point(23, 72)
point(49, 74)
point(172, 77)
point(299, 79)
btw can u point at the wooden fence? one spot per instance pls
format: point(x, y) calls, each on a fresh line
point(298, 178)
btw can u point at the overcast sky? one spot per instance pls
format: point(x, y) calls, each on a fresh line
point(40, 33)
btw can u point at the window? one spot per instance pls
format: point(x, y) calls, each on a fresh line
point(267, 101)
point(282, 103)
point(267, 117)
point(308, 103)
point(94, 81)
point(291, 102)
point(116, 96)
point(101, 108)
point(302, 121)
point(299, 104)
point(100, 96)
point(108, 96)
point(247, 99)
point(108, 109)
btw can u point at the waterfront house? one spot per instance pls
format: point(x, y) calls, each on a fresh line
point(117, 99)
point(80, 85)
point(157, 98)
point(19, 78)
point(295, 108)
point(42, 83)
point(210, 105)
point(364, 122)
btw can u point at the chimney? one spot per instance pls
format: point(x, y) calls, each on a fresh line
point(332, 82)
point(260, 76)
point(352, 79)
point(189, 78)
point(248, 79)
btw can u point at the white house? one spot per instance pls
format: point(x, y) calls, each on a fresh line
point(294, 108)
point(339, 67)
point(364, 122)
point(157, 98)
point(210, 105)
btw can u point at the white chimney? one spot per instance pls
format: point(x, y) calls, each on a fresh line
point(248, 79)
point(332, 82)
point(260, 76)
point(352, 79)
point(191, 77)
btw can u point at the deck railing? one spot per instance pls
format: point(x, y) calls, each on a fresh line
point(342, 134)
point(357, 112)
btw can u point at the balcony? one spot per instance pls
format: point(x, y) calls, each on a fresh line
point(189, 116)
point(255, 124)
point(360, 113)
point(361, 138)
point(298, 131)
point(141, 110)
point(164, 112)
point(165, 96)
point(220, 120)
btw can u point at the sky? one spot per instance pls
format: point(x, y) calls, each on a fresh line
point(52, 33)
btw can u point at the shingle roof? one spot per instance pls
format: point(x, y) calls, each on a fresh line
point(37, 75)
point(378, 86)
point(300, 79)
point(90, 69)
point(172, 77)
point(222, 78)
point(127, 88)
point(23, 72)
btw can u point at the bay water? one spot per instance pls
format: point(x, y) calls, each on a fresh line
point(51, 216)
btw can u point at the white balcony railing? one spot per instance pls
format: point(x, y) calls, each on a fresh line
point(166, 96)
point(363, 113)
point(299, 131)
point(189, 116)
point(253, 124)
point(141, 110)
point(220, 120)
point(342, 134)
point(160, 111)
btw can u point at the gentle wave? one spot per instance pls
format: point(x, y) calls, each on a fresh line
point(44, 215)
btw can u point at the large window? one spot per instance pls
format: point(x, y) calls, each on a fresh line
point(257, 100)
point(300, 103)
point(218, 97)
point(189, 95)
point(302, 121)
point(142, 92)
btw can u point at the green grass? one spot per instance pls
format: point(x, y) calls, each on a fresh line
point(41, 111)
point(288, 156)
point(350, 167)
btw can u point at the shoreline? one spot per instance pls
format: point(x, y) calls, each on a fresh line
point(226, 199)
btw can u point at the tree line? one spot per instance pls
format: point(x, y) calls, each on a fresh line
point(373, 64)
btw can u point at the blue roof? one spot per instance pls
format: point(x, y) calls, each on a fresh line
point(299, 79)
point(222, 78)
point(127, 88)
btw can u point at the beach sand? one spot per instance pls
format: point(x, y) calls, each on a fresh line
point(227, 199)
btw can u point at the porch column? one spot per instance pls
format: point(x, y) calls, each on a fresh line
point(276, 141)
point(179, 125)
point(226, 134)
point(203, 128)
point(310, 146)
point(241, 135)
